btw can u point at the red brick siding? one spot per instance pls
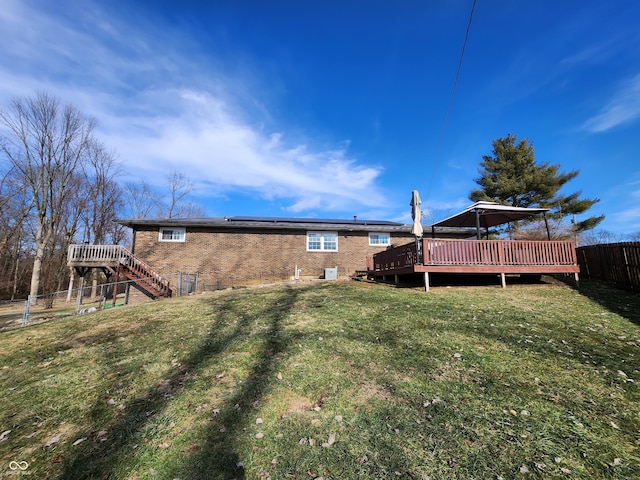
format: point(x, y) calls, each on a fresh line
point(225, 258)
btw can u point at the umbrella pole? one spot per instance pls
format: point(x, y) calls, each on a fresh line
point(546, 224)
point(418, 251)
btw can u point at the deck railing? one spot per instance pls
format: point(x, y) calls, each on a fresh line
point(395, 257)
point(87, 255)
point(495, 253)
point(498, 252)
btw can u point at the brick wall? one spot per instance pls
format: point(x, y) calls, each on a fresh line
point(224, 258)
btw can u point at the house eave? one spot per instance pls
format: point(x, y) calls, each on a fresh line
point(270, 223)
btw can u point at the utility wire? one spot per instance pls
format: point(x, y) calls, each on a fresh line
point(453, 92)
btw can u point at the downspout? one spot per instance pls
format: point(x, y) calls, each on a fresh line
point(133, 241)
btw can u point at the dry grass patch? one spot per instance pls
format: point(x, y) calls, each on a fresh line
point(369, 391)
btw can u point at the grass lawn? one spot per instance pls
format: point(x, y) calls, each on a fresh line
point(336, 380)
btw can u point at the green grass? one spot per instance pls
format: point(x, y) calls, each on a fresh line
point(335, 380)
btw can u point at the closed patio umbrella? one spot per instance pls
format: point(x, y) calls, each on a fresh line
point(416, 214)
point(416, 228)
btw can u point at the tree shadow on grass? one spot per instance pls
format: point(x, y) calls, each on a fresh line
point(100, 456)
point(217, 457)
point(624, 303)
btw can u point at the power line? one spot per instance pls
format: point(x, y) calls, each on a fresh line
point(453, 92)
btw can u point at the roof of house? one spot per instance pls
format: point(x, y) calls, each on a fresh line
point(272, 223)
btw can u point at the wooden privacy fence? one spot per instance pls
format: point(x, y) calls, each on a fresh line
point(615, 263)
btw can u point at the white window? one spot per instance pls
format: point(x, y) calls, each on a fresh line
point(379, 239)
point(322, 242)
point(172, 234)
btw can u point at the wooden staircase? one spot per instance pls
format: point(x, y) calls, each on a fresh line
point(118, 260)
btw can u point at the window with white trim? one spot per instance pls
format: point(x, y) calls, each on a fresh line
point(379, 239)
point(172, 234)
point(322, 242)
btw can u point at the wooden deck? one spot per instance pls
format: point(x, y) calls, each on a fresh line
point(501, 257)
point(119, 261)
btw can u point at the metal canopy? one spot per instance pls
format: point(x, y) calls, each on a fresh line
point(487, 214)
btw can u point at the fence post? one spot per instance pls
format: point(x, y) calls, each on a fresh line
point(127, 289)
point(627, 270)
point(26, 311)
point(101, 297)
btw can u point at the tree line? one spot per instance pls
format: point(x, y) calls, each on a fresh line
point(59, 184)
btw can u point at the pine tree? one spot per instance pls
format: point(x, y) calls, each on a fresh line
point(512, 177)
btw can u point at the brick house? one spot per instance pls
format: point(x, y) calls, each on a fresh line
point(232, 251)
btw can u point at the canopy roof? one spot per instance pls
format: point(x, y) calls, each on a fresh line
point(488, 214)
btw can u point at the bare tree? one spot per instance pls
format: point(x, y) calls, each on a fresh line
point(47, 145)
point(142, 201)
point(179, 187)
point(598, 237)
point(104, 195)
point(104, 200)
point(14, 208)
point(191, 210)
point(139, 199)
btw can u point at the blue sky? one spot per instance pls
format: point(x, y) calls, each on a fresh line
point(337, 108)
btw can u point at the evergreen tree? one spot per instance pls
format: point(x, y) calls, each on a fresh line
point(512, 177)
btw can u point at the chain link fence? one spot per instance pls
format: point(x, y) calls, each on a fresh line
point(84, 300)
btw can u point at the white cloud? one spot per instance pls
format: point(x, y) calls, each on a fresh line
point(629, 217)
point(623, 108)
point(171, 108)
point(202, 137)
point(308, 203)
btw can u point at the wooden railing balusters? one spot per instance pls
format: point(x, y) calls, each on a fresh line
point(512, 253)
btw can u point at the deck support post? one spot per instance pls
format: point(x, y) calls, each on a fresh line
point(79, 299)
point(116, 277)
point(503, 280)
point(397, 279)
point(70, 290)
point(82, 272)
point(426, 281)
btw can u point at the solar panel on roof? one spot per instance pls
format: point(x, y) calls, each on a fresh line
point(241, 218)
